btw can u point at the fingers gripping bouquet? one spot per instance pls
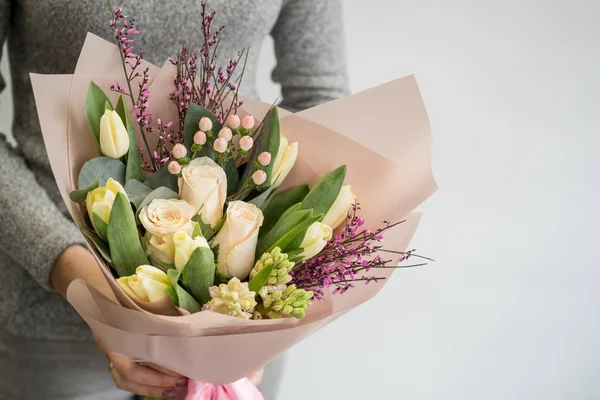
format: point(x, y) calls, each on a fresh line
point(233, 230)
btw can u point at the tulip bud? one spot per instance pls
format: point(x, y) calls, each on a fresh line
point(99, 202)
point(316, 237)
point(174, 168)
point(179, 151)
point(114, 139)
point(200, 138)
point(205, 124)
point(148, 284)
point(246, 143)
point(233, 121)
point(220, 145)
point(248, 122)
point(264, 158)
point(259, 177)
point(185, 246)
point(225, 133)
point(338, 212)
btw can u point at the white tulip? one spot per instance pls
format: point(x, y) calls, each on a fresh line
point(316, 237)
point(284, 161)
point(148, 284)
point(114, 139)
point(338, 212)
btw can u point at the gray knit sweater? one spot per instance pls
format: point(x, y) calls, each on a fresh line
point(45, 36)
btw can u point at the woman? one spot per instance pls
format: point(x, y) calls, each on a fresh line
point(46, 350)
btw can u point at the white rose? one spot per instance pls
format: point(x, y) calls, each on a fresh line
point(284, 161)
point(316, 237)
point(340, 208)
point(204, 185)
point(163, 217)
point(237, 239)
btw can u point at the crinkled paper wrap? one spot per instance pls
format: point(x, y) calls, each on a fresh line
point(381, 134)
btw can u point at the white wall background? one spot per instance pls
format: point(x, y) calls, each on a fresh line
point(511, 308)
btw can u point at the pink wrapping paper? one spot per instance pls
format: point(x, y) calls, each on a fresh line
point(381, 134)
point(239, 390)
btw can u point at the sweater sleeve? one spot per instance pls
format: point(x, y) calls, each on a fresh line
point(310, 52)
point(32, 229)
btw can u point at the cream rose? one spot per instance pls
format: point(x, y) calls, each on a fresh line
point(237, 239)
point(339, 210)
point(204, 185)
point(164, 217)
point(316, 237)
point(284, 161)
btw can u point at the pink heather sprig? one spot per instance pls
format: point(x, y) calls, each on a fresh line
point(346, 259)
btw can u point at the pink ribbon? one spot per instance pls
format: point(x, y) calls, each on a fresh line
point(239, 390)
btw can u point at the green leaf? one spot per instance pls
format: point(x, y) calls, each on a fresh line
point(190, 127)
point(101, 246)
point(160, 265)
point(323, 194)
point(289, 240)
point(101, 169)
point(199, 274)
point(101, 226)
point(162, 177)
point(207, 231)
point(160, 193)
point(197, 231)
point(95, 104)
point(267, 140)
point(233, 177)
point(265, 196)
point(284, 226)
point(79, 196)
point(184, 299)
point(137, 192)
point(274, 209)
point(260, 279)
point(123, 238)
point(134, 168)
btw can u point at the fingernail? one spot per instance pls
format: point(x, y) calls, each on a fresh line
point(182, 382)
point(168, 394)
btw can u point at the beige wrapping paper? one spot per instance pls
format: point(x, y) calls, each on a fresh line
point(381, 134)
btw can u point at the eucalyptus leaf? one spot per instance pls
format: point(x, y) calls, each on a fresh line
point(267, 140)
point(199, 274)
point(137, 192)
point(79, 196)
point(134, 168)
point(274, 208)
point(164, 178)
point(123, 238)
point(160, 193)
point(101, 226)
point(322, 196)
point(190, 127)
point(101, 246)
point(260, 279)
point(101, 169)
point(184, 299)
point(284, 226)
point(95, 105)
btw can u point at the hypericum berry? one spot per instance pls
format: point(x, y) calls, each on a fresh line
point(246, 143)
point(225, 133)
point(233, 121)
point(220, 145)
point(174, 168)
point(264, 158)
point(205, 124)
point(248, 122)
point(200, 138)
point(179, 151)
point(259, 177)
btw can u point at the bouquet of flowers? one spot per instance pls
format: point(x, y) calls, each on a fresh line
point(228, 229)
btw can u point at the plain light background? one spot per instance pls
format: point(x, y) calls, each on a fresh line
point(511, 308)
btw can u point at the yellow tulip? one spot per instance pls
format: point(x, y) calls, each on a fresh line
point(148, 284)
point(99, 202)
point(338, 212)
point(114, 139)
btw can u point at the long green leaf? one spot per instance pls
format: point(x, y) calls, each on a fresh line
point(323, 194)
point(134, 168)
point(162, 177)
point(233, 177)
point(283, 227)
point(289, 240)
point(101, 169)
point(123, 238)
point(99, 243)
point(101, 226)
point(95, 104)
point(184, 299)
point(260, 279)
point(267, 140)
point(199, 274)
point(274, 209)
point(190, 127)
point(79, 196)
point(137, 192)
